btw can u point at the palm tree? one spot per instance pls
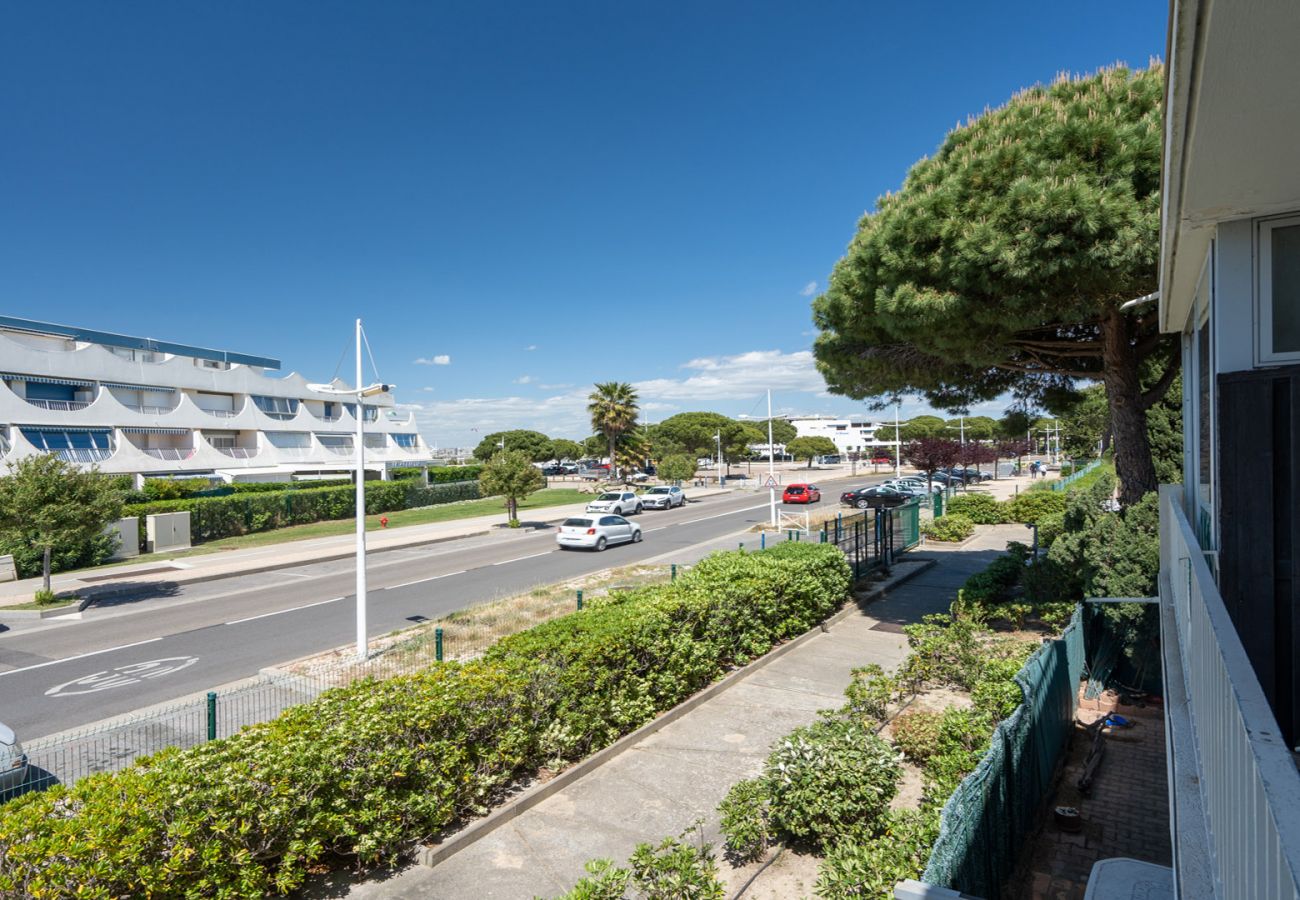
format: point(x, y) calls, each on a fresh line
point(613, 409)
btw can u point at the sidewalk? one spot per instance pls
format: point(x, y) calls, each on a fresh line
point(106, 581)
point(662, 783)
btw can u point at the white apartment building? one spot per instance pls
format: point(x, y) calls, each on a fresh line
point(150, 408)
point(851, 435)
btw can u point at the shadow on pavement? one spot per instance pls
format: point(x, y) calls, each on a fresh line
point(123, 592)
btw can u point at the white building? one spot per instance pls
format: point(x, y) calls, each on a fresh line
point(851, 435)
point(143, 407)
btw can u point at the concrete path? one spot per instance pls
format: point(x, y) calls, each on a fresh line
point(664, 782)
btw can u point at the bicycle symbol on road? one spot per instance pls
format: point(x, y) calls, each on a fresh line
point(122, 676)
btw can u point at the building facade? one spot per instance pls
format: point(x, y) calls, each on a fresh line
point(850, 435)
point(142, 407)
point(1230, 534)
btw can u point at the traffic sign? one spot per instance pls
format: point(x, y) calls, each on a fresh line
point(771, 482)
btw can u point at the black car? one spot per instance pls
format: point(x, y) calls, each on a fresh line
point(875, 497)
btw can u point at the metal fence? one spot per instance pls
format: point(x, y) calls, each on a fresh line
point(1235, 792)
point(986, 820)
point(1062, 483)
point(871, 538)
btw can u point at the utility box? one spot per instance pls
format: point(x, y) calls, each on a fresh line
point(167, 531)
point(8, 571)
point(128, 537)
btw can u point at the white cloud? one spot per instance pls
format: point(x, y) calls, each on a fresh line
point(712, 382)
point(427, 390)
point(442, 359)
point(524, 379)
point(531, 347)
point(809, 289)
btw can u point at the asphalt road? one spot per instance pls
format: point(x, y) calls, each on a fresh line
point(132, 652)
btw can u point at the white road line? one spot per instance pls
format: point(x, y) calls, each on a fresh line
point(506, 562)
point(393, 587)
point(296, 575)
point(54, 662)
point(720, 515)
point(282, 611)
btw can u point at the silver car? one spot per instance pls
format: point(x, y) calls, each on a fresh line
point(13, 762)
point(622, 503)
point(596, 532)
point(663, 497)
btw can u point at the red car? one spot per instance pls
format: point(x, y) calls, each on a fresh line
point(881, 461)
point(801, 493)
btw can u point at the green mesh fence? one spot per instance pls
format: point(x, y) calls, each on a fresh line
point(988, 817)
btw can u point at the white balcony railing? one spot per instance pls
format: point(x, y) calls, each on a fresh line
point(237, 452)
point(1234, 788)
point(151, 410)
point(169, 453)
point(59, 405)
point(222, 413)
point(83, 455)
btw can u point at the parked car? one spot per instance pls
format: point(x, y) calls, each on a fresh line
point(553, 470)
point(913, 488)
point(596, 532)
point(917, 481)
point(874, 497)
point(618, 502)
point(569, 468)
point(13, 763)
point(801, 493)
point(832, 459)
point(882, 461)
point(663, 498)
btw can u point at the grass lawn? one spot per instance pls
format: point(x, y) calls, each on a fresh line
point(444, 512)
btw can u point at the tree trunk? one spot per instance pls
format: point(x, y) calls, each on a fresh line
point(1133, 463)
point(45, 568)
point(613, 466)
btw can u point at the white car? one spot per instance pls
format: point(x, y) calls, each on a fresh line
point(915, 489)
point(13, 763)
point(663, 497)
point(596, 532)
point(623, 503)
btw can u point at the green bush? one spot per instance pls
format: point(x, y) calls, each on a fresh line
point(174, 488)
point(1030, 507)
point(830, 780)
point(29, 561)
point(950, 529)
point(869, 869)
point(982, 509)
point(212, 518)
point(745, 819)
point(365, 769)
point(916, 733)
point(676, 869)
point(995, 582)
point(869, 693)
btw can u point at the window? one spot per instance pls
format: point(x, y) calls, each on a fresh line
point(277, 407)
point(409, 441)
point(340, 441)
point(1278, 319)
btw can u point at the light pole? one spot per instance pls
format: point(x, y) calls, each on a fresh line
point(771, 464)
point(898, 446)
point(719, 457)
point(359, 393)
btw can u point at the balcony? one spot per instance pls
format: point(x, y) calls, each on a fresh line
point(150, 410)
point(1234, 788)
point(237, 452)
point(82, 454)
point(339, 451)
point(59, 405)
point(172, 454)
point(221, 413)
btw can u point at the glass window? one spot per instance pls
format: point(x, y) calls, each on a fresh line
point(405, 440)
point(277, 406)
point(578, 523)
point(1278, 312)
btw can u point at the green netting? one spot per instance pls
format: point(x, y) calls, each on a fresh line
point(988, 817)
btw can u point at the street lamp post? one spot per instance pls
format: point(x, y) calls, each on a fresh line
point(771, 463)
point(719, 457)
point(359, 393)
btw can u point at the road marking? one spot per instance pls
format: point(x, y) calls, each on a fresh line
point(122, 676)
point(297, 575)
point(55, 662)
point(506, 562)
point(393, 587)
point(734, 512)
point(282, 611)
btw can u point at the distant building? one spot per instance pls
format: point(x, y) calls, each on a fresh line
point(851, 435)
point(142, 407)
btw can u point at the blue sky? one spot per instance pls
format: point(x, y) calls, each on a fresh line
point(519, 198)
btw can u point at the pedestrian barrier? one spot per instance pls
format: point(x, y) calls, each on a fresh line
point(872, 538)
point(1061, 484)
point(993, 810)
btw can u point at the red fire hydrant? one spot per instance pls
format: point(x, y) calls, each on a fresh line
point(383, 521)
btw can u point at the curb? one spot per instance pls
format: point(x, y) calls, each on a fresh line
point(38, 613)
point(430, 855)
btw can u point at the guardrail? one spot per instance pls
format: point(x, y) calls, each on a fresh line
point(1062, 483)
point(1234, 789)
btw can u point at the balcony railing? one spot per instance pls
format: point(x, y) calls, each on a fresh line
point(169, 453)
point(222, 413)
point(237, 452)
point(1234, 788)
point(151, 410)
point(339, 451)
point(83, 455)
point(59, 405)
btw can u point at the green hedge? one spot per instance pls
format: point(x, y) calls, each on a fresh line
point(1026, 508)
point(441, 474)
point(951, 529)
point(212, 518)
point(366, 769)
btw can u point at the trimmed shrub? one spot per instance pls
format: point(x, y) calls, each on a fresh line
point(982, 509)
point(830, 780)
point(950, 529)
point(365, 769)
point(745, 819)
point(174, 488)
point(916, 733)
point(212, 518)
point(869, 693)
point(857, 869)
point(1031, 507)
